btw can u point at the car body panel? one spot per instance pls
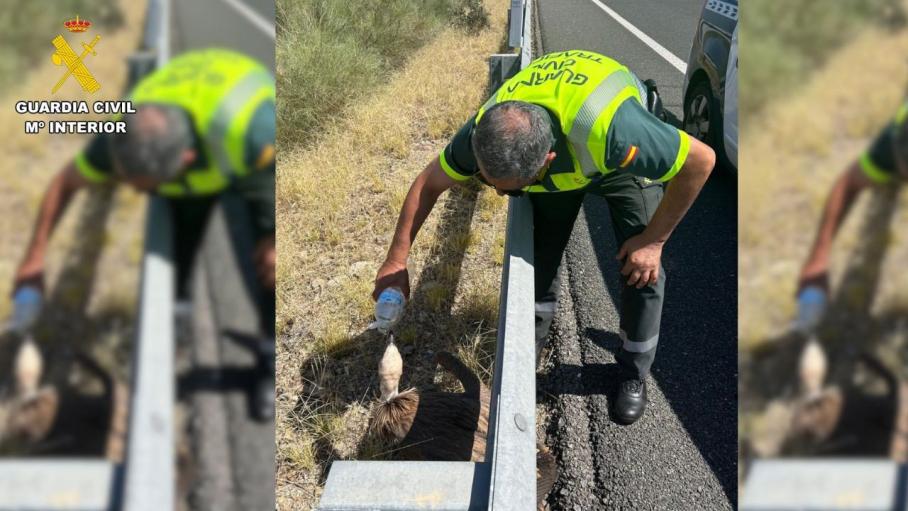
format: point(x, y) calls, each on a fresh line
point(730, 110)
point(709, 55)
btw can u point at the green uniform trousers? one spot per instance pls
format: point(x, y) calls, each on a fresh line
point(249, 208)
point(632, 202)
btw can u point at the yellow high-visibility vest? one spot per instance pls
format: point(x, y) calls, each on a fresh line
point(221, 91)
point(584, 90)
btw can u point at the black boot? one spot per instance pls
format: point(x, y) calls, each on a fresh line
point(631, 400)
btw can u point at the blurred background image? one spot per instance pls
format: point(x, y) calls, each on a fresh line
point(136, 362)
point(823, 328)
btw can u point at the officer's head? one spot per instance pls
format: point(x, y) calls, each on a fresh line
point(513, 145)
point(156, 148)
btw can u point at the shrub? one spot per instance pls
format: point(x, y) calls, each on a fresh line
point(781, 41)
point(331, 51)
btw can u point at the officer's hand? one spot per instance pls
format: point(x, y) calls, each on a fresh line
point(814, 273)
point(392, 274)
point(30, 273)
point(265, 257)
point(641, 261)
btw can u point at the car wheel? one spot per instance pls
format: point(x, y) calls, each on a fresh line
point(702, 117)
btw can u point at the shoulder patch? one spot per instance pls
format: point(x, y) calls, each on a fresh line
point(629, 156)
point(265, 158)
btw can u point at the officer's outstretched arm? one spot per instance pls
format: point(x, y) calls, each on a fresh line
point(642, 253)
point(53, 205)
point(843, 194)
point(420, 200)
point(682, 191)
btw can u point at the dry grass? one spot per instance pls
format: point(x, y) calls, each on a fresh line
point(93, 298)
point(338, 203)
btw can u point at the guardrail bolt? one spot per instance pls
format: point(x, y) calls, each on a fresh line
point(520, 422)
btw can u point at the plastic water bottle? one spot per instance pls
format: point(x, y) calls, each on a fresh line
point(27, 304)
point(388, 309)
point(811, 305)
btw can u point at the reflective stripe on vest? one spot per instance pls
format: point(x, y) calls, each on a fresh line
point(584, 90)
point(221, 91)
point(901, 115)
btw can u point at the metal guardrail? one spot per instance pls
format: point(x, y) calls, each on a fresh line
point(149, 466)
point(83, 484)
point(512, 412)
point(406, 485)
point(826, 484)
point(157, 30)
point(150, 453)
point(507, 479)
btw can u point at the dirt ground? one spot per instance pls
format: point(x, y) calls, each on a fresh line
point(792, 153)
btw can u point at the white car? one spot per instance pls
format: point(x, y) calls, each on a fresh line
point(730, 116)
point(711, 81)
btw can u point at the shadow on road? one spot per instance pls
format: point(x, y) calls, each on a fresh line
point(588, 379)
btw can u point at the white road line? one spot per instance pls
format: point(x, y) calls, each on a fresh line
point(677, 63)
point(255, 18)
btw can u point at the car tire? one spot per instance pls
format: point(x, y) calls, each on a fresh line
point(703, 119)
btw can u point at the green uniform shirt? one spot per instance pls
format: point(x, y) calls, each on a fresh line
point(95, 165)
point(637, 142)
point(878, 161)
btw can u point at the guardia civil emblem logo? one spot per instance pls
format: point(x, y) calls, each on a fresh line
point(75, 64)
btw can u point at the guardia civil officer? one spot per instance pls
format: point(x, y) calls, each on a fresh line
point(572, 123)
point(204, 126)
point(884, 163)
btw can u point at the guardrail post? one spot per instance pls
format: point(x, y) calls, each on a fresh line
point(501, 67)
point(515, 23)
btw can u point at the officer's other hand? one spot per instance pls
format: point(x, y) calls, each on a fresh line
point(814, 273)
point(641, 261)
point(265, 258)
point(30, 273)
point(392, 274)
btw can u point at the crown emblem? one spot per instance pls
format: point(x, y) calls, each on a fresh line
point(77, 25)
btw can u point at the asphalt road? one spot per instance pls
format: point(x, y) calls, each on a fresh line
point(229, 460)
point(246, 26)
point(682, 454)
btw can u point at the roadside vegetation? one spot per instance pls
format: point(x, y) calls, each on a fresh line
point(340, 188)
point(803, 136)
point(784, 43)
point(331, 52)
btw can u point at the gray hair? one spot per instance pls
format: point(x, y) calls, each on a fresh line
point(512, 140)
point(152, 146)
